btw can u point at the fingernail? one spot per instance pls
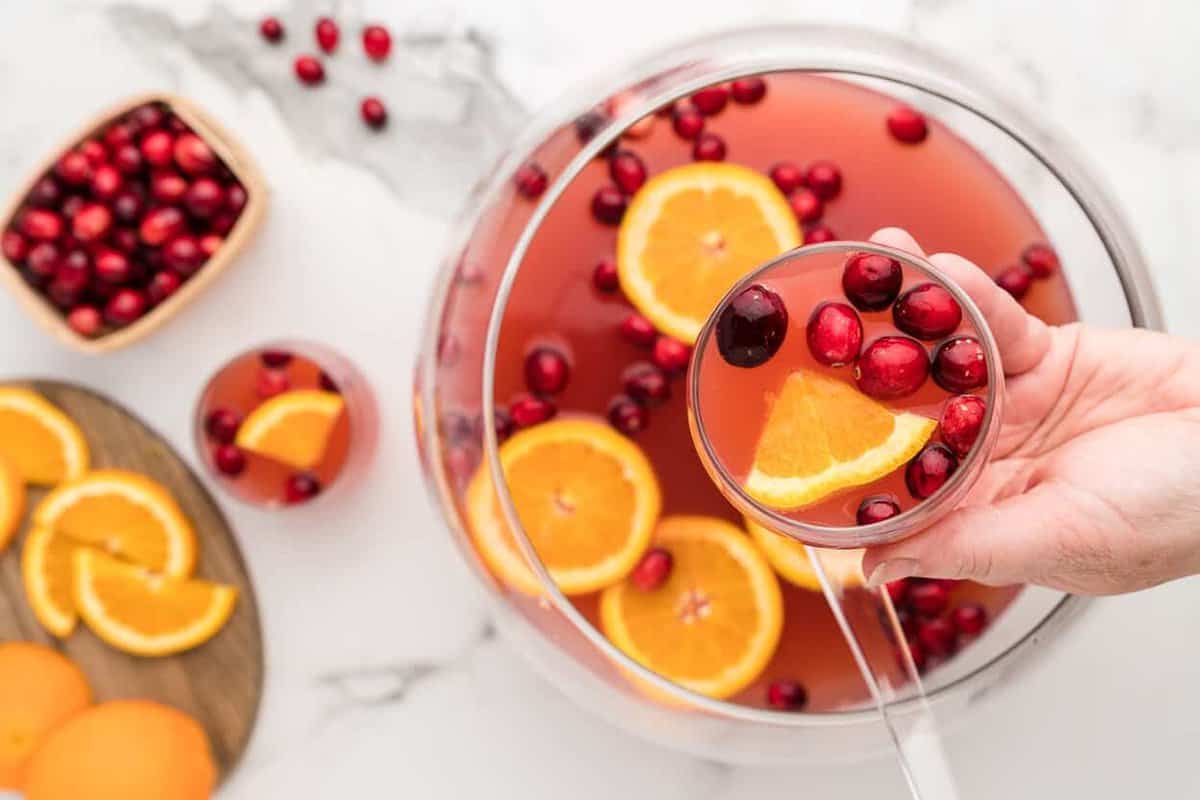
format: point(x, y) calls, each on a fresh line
point(892, 570)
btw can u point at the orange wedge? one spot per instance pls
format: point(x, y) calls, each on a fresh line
point(12, 500)
point(822, 436)
point(690, 233)
point(47, 564)
point(586, 496)
point(293, 427)
point(790, 560)
point(714, 624)
point(44, 444)
point(145, 614)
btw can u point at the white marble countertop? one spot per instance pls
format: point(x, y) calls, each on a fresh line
point(444, 709)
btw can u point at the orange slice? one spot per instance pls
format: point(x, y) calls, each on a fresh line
point(12, 500)
point(44, 444)
point(292, 427)
point(790, 560)
point(714, 624)
point(822, 436)
point(690, 233)
point(141, 613)
point(46, 570)
point(587, 499)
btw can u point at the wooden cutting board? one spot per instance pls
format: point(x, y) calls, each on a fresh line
point(218, 683)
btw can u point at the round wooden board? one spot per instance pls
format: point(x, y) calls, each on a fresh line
point(218, 683)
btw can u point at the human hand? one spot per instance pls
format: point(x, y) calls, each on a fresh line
point(1094, 483)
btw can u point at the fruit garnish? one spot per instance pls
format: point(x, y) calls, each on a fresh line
point(714, 623)
point(930, 470)
point(959, 364)
point(927, 311)
point(834, 334)
point(786, 695)
point(752, 326)
point(586, 496)
point(872, 282)
point(822, 436)
point(962, 419)
point(140, 612)
point(876, 508)
point(891, 367)
point(790, 560)
point(43, 443)
point(12, 500)
point(47, 570)
point(690, 233)
point(292, 428)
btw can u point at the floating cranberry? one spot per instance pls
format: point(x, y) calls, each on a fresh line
point(871, 282)
point(687, 121)
point(671, 355)
point(646, 383)
point(907, 125)
point(751, 327)
point(309, 70)
point(937, 636)
point(627, 170)
point(373, 112)
point(301, 487)
point(637, 330)
point(546, 370)
point(590, 123)
point(125, 307)
point(835, 334)
point(787, 176)
point(959, 364)
point(92, 223)
point(183, 254)
point(275, 359)
point(784, 695)
point(210, 243)
point(876, 508)
point(271, 29)
point(377, 42)
point(969, 619)
point(222, 424)
point(14, 246)
point(45, 193)
point(160, 224)
point(806, 205)
point(271, 382)
point(708, 147)
point(106, 182)
point(1016, 280)
point(43, 260)
point(915, 652)
point(748, 91)
point(898, 590)
point(927, 311)
point(608, 205)
point(962, 418)
point(158, 148)
point(929, 470)
point(824, 178)
point(164, 284)
point(204, 197)
point(531, 180)
point(167, 186)
point(1041, 260)
point(627, 415)
point(928, 598)
point(604, 276)
point(73, 168)
point(711, 100)
point(235, 198)
point(85, 320)
point(112, 266)
point(818, 234)
point(327, 34)
point(38, 223)
point(891, 367)
point(193, 155)
point(653, 570)
point(527, 410)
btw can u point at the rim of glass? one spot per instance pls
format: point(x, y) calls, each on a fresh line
point(901, 525)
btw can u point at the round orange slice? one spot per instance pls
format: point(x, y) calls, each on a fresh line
point(587, 499)
point(44, 444)
point(714, 624)
point(47, 567)
point(822, 436)
point(790, 560)
point(12, 500)
point(690, 233)
point(292, 428)
point(142, 613)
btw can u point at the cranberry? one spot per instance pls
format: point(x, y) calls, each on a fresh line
point(784, 695)
point(1041, 260)
point(106, 182)
point(646, 383)
point(373, 112)
point(627, 415)
point(71, 206)
point(127, 159)
point(907, 125)
point(835, 334)
point(271, 382)
point(168, 186)
point(546, 371)
point(637, 330)
point(628, 171)
point(527, 410)
point(751, 328)
point(223, 222)
point(927, 311)
point(204, 197)
point(711, 100)
point(210, 243)
point(76, 261)
point(144, 118)
point(589, 124)
point(937, 636)
point(193, 155)
point(327, 34)
point(14, 246)
point(301, 487)
point(501, 421)
point(177, 125)
point(819, 233)
point(161, 224)
point(687, 121)
point(235, 198)
point(806, 205)
point(969, 619)
point(158, 148)
point(877, 508)
point(748, 91)
point(67, 288)
point(824, 178)
point(85, 320)
point(671, 355)
point(113, 266)
point(92, 223)
point(118, 135)
point(275, 359)
point(604, 276)
point(377, 42)
point(871, 282)
point(74, 168)
point(787, 176)
point(961, 420)
point(891, 367)
point(127, 206)
point(45, 193)
point(929, 470)
point(653, 570)
point(95, 152)
point(928, 598)
point(183, 254)
point(271, 29)
point(1016, 280)
point(164, 284)
point(125, 307)
point(898, 590)
point(608, 205)
point(222, 424)
point(38, 223)
point(959, 364)
point(43, 260)
point(229, 460)
point(309, 70)
point(915, 652)
point(708, 147)
point(531, 180)
point(124, 239)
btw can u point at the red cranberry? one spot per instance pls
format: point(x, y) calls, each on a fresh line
point(161, 224)
point(961, 420)
point(687, 121)
point(204, 197)
point(638, 331)
point(14, 246)
point(891, 367)
point(76, 261)
point(43, 260)
point(158, 148)
point(118, 135)
point(229, 460)
point(177, 125)
point(164, 284)
point(106, 182)
point(915, 652)
point(309, 70)
point(95, 152)
point(210, 243)
point(271, 29)
point(85, 320)
point(711, 100)
point(92, 223)
point(627, 415)
point(193, 155)
point(959, 364)
point(527, 410)
point(67, 288)
point(930, 470)
point(235, 198)
point(608, 205)
point(806, 205)
point(751, 327)
point(301, 488)
point(124, 240)
point(748, 91)
point(128, 159)
point(222, 424)
point(824, 178)
point(819, 233)
point(877, 508)
point(835, 334)
point(1016, 280)
point(377, 42)
point(45, 193)
point(628, 171)
point(969, 619)
point(271, 382)
point(38, 223)
point(143, 118)
point(898, 590)
point(546, 371)
point(71, 206)
point(708, 147)
point(127, 206)
point(671, 355)
point(1041, 260)
point(373, 112)
point(653, 570)
point(275, 359)
point(73, 168)
point(787, 176)
point(112, 266)
point(927, 311)
point(183, 254)
point(907, 125)
point(168, 186)
point(786, 695)
point(871, 282)
point(125, 307)
point(646, 383)
point(937, 636)
point(531, 180)
point(327, 34)
point(928, 598)
point(223, 222)
point(604, 276)
point(589, 124)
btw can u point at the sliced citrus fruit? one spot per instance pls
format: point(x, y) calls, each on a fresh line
point(47, 563)
point(715, 623)
point(823, 435)
point(790, 559)
point(125, 514)
point(12, 500)
point(292, 427)
point(45, 444)
point(586, 496)
point(145, 614)
point(690, 233)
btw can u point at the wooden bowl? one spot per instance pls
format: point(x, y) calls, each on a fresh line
point(227, 149)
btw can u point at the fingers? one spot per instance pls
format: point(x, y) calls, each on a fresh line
point(899, 239)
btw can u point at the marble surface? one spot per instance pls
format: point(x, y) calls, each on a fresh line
point(385, 676)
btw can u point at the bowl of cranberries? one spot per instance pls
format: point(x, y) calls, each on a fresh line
point(128, 221)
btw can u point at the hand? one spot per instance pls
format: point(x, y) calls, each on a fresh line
point(1094, 484)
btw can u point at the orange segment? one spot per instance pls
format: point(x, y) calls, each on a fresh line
point(586, 496)
point(715, 623)
point(47, 565)
point(12, 500)
point(822, 436)
point(690, 233)
point(293, 427)
point(141, 613)
point(789, 558)
point(44, 444)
